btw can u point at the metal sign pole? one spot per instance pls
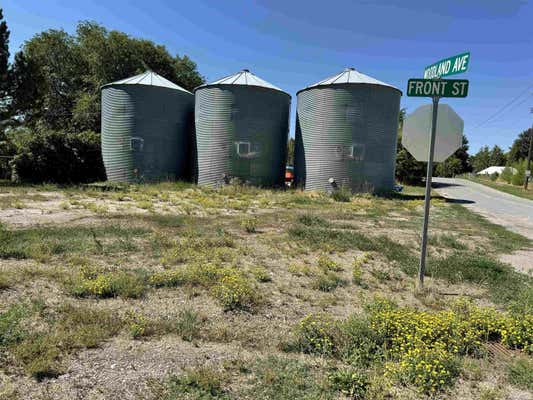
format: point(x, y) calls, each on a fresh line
point(422, 266)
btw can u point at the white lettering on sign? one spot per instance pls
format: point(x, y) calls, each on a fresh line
point(458, 88)
point(460, 64)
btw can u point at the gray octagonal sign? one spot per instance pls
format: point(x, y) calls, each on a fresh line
point(417, 132)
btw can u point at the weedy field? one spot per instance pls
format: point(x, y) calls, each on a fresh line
point(171, 291)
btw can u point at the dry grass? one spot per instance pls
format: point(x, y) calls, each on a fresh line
point(175, 266)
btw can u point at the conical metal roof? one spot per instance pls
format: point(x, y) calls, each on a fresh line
point(349, 75)
point(148, 78)
point(244, 77)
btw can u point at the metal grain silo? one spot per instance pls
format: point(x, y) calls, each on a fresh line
point(147, 126)
point(242, 124)
point(346, 130)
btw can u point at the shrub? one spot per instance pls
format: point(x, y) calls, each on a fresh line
point(520, 174)
point(494, 176)
point(188, 324)
point(250, 224)
point(110, 284)
point(328, 281)
point(327, 264)
point(342, 194)
point(520, 373)
point(59, 157)
point(316, 334)
point(235, 292)
point(261, 274)
point(429, 369)
point(137, 324)
point(507, 174)
point(351, 382)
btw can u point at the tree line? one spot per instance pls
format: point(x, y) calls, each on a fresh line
point(410, 171)
point(50, 97)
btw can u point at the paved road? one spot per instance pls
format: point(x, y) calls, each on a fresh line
point(515, 213)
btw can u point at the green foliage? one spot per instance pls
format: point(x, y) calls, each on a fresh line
point(249, 224)
point(408, 170)
point(235, 292)
point(504, 284)
point(449, 168)
point(188, 324)
point(342, 194)
point(481, 159)
point(520, 175)
point(351, 382)
point(201, 383)
point(261, 274)
point(520, 373)
point(283, 379)
point(312, 220)
point(59, 157)
point(328, 281)
point(41, 353)
point(497, 156)
point(507, 174)
point(316, 334)
point(111, 284)
point(11, 329)
point(41, 243)
point(520, 147)
point(494, 176)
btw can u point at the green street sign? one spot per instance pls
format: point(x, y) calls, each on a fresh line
point(437, 88)
point(449, 66)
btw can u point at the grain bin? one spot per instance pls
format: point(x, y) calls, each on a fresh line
point(242, 124)
point(147, 126)
point(346, 132)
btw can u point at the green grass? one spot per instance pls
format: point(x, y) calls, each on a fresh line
point(344, 240)
point(40, 243)
point(520, 373)
point(284, 379)
point(504, 284)
point(41, 353)
point(506, 187)
point(201, 383)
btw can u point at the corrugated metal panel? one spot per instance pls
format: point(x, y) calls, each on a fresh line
point(241, 131)
point(146, 132)
point(347, 131)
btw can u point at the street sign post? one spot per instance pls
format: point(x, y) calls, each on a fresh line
point(437, 88)
point(432, 86)
point(449, 66)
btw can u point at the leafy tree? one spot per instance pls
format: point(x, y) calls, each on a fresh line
point(67, 72)
point(462, 155)
point(4, 52)
point(290, 151)
point(55, 85)
point(57, 156)
point(408, 170)
point(497, 156)
point(520, 146)
point(481, 159)
point(450, 167)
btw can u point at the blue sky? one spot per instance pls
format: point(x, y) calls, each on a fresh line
point(296, 43)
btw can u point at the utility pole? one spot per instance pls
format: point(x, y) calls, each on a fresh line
point(528, 164)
